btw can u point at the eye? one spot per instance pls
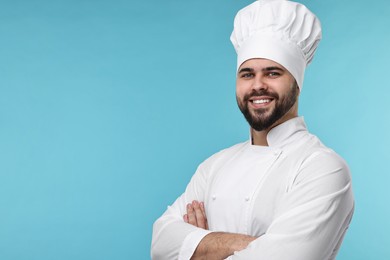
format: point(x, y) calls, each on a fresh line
point(273, 74)
point(247, 75)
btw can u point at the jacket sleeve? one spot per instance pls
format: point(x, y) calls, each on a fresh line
point(173, 238)
point(312, 217)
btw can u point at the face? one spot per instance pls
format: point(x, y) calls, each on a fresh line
point(266, 93)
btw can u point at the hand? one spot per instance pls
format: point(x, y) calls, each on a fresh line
point(216, 245)
point(196, 215)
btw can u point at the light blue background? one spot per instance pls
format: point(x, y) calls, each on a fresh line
point(107, 108)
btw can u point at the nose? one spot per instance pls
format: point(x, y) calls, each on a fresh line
point(259, 83)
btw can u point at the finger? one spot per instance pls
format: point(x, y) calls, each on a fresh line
point(201, 204)
point(200, 217)
point(191, 215)
point(204, 214)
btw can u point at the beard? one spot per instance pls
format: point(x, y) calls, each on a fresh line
point(263, 118)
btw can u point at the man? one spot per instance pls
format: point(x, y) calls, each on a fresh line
point(282, 194)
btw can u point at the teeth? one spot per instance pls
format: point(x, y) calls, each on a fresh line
point(261, 101)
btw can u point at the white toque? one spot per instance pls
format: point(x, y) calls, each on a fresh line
point(279, 30)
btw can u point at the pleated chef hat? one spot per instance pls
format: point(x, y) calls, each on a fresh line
point(279, 30)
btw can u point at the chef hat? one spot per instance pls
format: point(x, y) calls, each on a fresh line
point(279, 30)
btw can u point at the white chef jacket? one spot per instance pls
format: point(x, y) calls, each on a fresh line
point(295, 195)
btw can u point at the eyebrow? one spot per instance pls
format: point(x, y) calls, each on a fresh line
point(272, 68)
point(265, 69)
point(245, 70)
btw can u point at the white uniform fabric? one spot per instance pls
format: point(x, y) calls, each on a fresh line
point(295, 194)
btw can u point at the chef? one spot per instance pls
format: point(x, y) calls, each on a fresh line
point(282, 194)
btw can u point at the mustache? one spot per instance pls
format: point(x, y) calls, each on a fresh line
point(257, 93)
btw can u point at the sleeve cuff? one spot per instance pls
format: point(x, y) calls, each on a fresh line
point(191, 242)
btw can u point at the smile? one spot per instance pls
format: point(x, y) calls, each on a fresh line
point(261, 101)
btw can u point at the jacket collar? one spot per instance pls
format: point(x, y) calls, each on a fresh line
point(285, 133)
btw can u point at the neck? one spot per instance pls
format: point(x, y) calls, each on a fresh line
point(260, 137)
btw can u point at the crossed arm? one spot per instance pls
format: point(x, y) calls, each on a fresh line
point(216, 245)
point(312, 219)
